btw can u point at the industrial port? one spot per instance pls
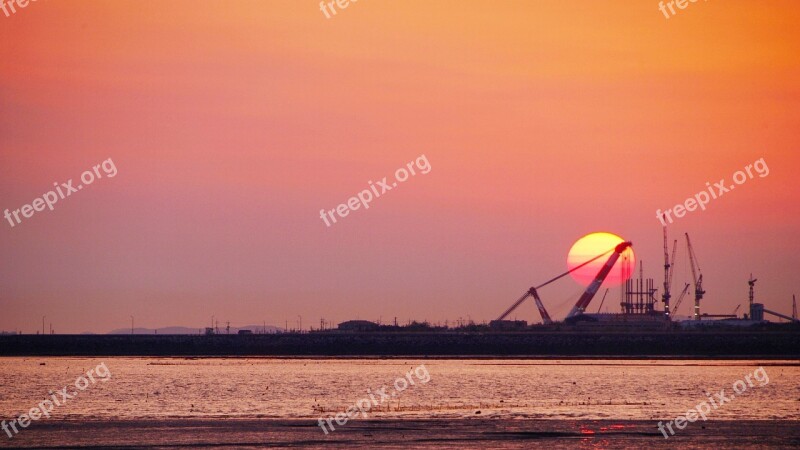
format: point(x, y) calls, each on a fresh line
point(639, 303)
point(641, 328)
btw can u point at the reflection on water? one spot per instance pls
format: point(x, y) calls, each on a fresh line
point(305, 388)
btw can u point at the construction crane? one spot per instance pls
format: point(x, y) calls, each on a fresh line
point(737, 309)
point(698, 280)
point(752, 283)
point(591, 290)
point(668, 269)
point(533, 291)
point(680, 298)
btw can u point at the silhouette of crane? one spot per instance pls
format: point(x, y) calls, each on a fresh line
point(698, 280)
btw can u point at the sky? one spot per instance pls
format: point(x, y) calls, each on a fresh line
point(230, 125)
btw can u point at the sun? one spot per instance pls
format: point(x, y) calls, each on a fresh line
point(594, 244)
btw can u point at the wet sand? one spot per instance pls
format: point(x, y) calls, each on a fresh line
point(405, 434)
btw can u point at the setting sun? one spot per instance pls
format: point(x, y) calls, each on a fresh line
point(595, 244)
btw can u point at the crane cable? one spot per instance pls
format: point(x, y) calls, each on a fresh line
point(575, 268)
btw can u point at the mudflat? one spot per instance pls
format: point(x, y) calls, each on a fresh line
point(402, 433)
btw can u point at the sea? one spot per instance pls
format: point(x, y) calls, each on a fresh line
point(116, 402)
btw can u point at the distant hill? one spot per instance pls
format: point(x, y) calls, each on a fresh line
point(256, 329)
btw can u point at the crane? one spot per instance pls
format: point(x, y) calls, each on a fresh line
point(737, 309)
point(668, 269)
point(533, 291)
point(698, 280)
point(680, 297)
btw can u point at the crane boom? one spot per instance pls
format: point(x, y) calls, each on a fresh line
point(591, 290)
point(680, 297)
point(672, 261)
point(514, 306)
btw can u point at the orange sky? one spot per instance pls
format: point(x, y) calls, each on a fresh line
point(233, 123)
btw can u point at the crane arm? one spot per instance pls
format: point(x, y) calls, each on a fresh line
point(514, 306)
point(680, 298)
point(694, 263)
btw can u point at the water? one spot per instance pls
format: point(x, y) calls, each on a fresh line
point(254, 388)
point(452, 404)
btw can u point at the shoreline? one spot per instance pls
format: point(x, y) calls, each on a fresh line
point(701, 345)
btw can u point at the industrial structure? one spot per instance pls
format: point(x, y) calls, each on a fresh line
point(587, 296)
point(638, 297)
point(757, 310)
point(638, 302)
